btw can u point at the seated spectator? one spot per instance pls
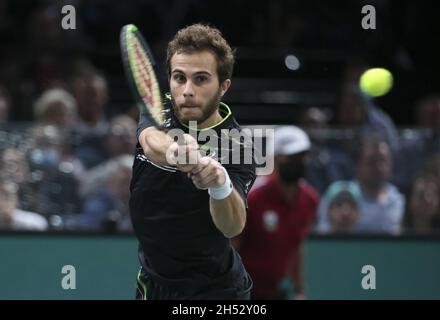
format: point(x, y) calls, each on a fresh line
point(121, 138)
point(343, 208)
point(424, 206)
point(58, 171)
point(56, 107)
point(91, 93)
point(419, 144)
point(356, 110)
point(96, 178)
point(107, 208)
point(381, 204)
point(433, 167)
point(428, 112)
point(328, 160)
point(12, 218)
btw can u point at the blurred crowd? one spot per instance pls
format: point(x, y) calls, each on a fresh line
point(67, 137)
point(70, 168)
point(371, 176)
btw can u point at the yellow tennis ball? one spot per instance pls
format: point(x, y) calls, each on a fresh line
point(376, 82)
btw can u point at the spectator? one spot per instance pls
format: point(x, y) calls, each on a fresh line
point(381, 203)
point(107, 209)
point(121, 138)
point(91, 93)
point(59, 172)
point(424, 207)
point(420, 144)
point(343, 209)
point(56, 107)
point(428, 112)
point(328, 160)
point(281, 210)
point(12, 218)
point(356, 110)
point(433, 167)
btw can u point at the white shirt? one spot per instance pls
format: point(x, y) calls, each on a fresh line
point(25, 220)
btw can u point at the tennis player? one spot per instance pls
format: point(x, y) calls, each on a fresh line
point(184, 213)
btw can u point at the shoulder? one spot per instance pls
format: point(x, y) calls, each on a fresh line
point(308, 191)
point(394, 193)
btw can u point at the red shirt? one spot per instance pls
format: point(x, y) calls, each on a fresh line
point(274, 229)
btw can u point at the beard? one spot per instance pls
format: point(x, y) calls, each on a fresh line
point(204, 111)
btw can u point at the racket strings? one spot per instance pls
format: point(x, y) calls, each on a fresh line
point(145, 79)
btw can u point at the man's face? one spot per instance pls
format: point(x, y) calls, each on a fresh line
point(195, 86)
point(91, 95)
point(351, 111)
point(424, 200)
point(57, 113)
point(375, 164)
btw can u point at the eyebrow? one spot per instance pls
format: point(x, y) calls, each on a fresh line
point(194, 74)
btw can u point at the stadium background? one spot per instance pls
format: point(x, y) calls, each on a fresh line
point(326, 37)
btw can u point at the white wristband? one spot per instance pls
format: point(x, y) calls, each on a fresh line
point(222, 192)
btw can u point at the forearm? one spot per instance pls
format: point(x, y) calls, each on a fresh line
point(155, 144)
point(229, 214)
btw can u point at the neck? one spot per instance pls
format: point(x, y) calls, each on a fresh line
point(372, 190)
point(211, 121)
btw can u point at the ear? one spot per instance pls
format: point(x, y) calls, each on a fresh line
point(225, 86)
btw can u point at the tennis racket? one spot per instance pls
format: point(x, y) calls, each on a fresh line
point(139, 65)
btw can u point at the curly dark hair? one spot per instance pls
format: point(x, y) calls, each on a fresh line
point(199, 37)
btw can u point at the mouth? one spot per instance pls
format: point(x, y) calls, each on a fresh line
point(189, 109)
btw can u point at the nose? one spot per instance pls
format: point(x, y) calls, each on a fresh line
point(189, 91)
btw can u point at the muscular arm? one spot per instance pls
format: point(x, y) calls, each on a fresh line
point(161, 148)
point(155, 144)
point(229, 214)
